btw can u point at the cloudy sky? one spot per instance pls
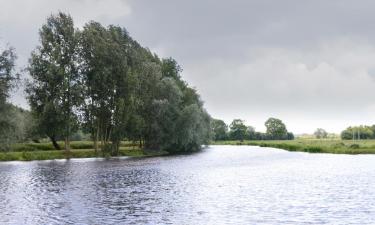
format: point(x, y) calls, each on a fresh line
point(309, 63)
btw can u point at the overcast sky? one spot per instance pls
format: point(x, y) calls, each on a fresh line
point(309, 63)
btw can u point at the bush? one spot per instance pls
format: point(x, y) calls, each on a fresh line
point(82, 145)
point(339, 145)
point(354, 146)
point(313, 149)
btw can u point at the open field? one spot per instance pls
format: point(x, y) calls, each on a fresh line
point(335, 146)
point(80, 149)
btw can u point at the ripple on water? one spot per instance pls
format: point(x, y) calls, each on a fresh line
point(220, 185)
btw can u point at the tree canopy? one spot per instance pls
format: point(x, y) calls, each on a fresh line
point(102, 81)
point(8, 76)
point(219, 129)
point(238, 130)
point(276, 129)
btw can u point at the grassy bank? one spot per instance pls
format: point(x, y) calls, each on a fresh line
point(80, 149)
point(45, 146)
point(313, 145)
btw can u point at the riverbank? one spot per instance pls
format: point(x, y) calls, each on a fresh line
point(313, 145)
point(80, 149)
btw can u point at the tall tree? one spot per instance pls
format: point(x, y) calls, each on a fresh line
point(219, 129)
point(178, 121)
point(8, 76)
point(122, 72)
point(251, 134)
point(276, 129)
point(54, 92)
point(146, 92)
point(96, 69)
point(238, 130)
point(107, 72)
point(127, 91)
point(7, 73)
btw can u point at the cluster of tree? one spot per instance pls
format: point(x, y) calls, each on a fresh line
point(99, 80)
point(320, 133)
point(358, 132)
point(237, 130)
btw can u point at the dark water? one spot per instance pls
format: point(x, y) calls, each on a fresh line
point(221, 185)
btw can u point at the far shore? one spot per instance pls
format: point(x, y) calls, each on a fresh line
point(84, 149)
point(334, 146)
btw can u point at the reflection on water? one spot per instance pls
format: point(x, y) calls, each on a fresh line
point(221, 185)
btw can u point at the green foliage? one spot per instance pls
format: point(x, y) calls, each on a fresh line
point(101, 80)
point(354, 146)
point(170, 68)
point(276, 129)
point(79, 153)
point(54, 91)
point(238, 130)
point(290, 136)
point(9, 125)
point(8, 76)
point(219, 130)
point(359, 132)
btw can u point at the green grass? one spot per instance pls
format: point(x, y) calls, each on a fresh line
point(313, 145)
point(46, 146)
point(80, 149)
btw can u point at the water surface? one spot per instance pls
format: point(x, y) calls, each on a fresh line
point(220, 185)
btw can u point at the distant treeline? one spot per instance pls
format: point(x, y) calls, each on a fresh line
point(358, 132)
point(237, 130)
point(99, 80)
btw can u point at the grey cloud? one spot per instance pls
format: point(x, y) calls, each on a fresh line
point(307, 62)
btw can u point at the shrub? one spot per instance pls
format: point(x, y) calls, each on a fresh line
point(354, 146)
point(313, 149)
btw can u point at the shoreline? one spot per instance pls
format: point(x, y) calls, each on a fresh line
point(312, 146)
point(32, 152)
point(74, 154)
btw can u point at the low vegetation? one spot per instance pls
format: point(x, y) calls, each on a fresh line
point(80, 149)
point(313, 145)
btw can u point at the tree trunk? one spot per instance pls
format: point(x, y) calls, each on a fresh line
point(55, 144)
point(115, 147)
point(96, 137)
point(67, 144)
point(96, 144)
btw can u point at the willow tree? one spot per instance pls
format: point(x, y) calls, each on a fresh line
point(178, 122)
point(7, 73)
point(96, 70)
point(8, 76)
point(123, 80)
point(121, 90)
point(53, 91)
point(107, 74)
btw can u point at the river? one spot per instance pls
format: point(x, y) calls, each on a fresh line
point(220, 185)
